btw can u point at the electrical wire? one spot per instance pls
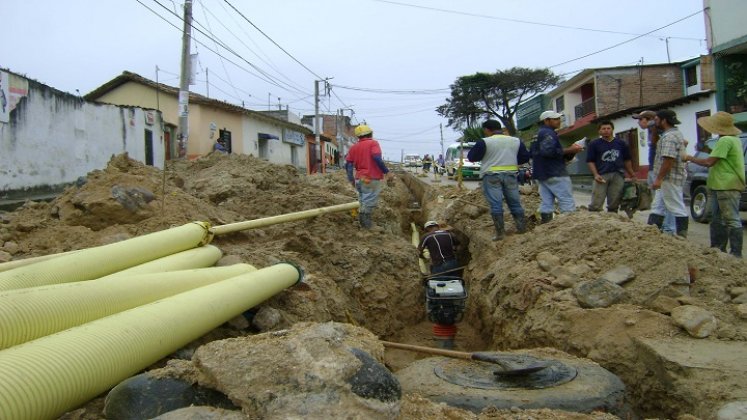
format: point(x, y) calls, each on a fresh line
point(273, 41)
point(527, 22)
point(625, 42)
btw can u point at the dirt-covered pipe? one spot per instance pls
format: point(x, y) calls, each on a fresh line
point(289, 217)
point(44, 378)
point(100, 261)
point(27, 314)
point(200, 257)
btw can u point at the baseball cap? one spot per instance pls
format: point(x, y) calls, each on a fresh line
point(644, 114)
point(550, 114)
point(430, 223)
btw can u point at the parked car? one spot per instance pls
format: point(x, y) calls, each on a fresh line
point(413, 161)
point(451, 160)
point(699, 195)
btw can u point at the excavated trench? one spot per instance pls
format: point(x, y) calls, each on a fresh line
point(526, 292)
point(522, 296)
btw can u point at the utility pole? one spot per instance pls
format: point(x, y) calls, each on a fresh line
point(441, 127)
point(207, 82)
point(317, 137)
point(184, 81)
point(666, 41)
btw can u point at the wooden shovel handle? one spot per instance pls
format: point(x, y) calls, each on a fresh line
point(429, 350)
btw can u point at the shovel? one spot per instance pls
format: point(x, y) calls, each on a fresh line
point(507, 369)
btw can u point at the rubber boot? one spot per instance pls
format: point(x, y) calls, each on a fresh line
point(719, 236)
point(735, 241)
point(545, 217)
point(500, 231)
point(521, 223)
point(682, 223)
point(656, 219)
point(365, 220)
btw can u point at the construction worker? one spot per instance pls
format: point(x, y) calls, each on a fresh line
point(726, 180)
point(500, 156)
point(669, 170)
point(365, 158)
point(548, 167)
point(442, 246)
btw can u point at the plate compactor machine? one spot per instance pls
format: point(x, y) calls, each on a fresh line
point(445, 300)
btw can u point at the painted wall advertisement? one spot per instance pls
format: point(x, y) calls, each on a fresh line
point(12, 89)
point(4, 97)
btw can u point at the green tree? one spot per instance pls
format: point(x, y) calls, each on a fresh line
point(494, 95)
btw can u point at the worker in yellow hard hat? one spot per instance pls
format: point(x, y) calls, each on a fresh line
point(366, 169)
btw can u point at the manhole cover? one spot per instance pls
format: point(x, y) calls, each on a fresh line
point(482, 375)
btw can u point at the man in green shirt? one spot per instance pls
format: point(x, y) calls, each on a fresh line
point(726, 180)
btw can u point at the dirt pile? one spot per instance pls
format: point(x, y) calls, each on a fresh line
point(521, 289)
point(524, 293)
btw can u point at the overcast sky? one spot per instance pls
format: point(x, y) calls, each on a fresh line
point(390, 61)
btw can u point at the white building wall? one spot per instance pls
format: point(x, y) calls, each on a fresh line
point(686, 115)
point(729, 17)
point(278, 150)
point(53, 138)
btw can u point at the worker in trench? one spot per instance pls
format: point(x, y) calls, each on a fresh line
point(442, 246)
point(366, 169)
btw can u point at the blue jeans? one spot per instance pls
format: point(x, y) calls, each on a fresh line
point(559, 188)
point(669, 224)
point(368, 194)
point(500, 185)
point(445, 266)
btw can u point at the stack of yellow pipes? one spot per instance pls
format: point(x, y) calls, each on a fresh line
point(73, 325)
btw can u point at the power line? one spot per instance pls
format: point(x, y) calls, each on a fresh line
point(527, 22)
point(273, 41)
point(267, 78)
point(267, 62)
point(625, 42)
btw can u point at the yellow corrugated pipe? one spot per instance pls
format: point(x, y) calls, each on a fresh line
point(422, 262)
point(96, 262)
point(26, 261)
point(203, 256)
point(288, 217)
point(44, 378)
point(34, 312)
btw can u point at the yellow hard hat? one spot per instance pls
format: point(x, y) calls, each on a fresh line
point(362, 130)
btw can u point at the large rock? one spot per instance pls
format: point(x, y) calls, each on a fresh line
point(619, 275)
point(309, 371)
point(146, 395)
point(697, 321)
point(598, 293)
point(202, 413)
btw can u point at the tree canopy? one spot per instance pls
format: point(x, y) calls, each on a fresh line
point(494, 95)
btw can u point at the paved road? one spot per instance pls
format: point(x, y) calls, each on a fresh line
point(697, 232)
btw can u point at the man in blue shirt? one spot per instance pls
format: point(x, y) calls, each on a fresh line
point(548, 167)
point(608, 158)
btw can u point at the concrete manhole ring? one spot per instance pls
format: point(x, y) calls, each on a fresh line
point(593, 388)
point(481, 374)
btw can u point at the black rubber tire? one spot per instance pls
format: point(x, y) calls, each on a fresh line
point(700, 206)
point(594, 388)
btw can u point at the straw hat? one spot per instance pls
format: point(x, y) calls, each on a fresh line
point(721, 123)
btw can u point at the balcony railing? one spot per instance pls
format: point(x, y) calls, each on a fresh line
point(585, 108)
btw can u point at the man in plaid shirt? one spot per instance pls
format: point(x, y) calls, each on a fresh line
point(669, 172)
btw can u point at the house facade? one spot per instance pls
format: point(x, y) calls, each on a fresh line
point(617, 93)
point(50, 138)
point(726, 35)
point(240, 130)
